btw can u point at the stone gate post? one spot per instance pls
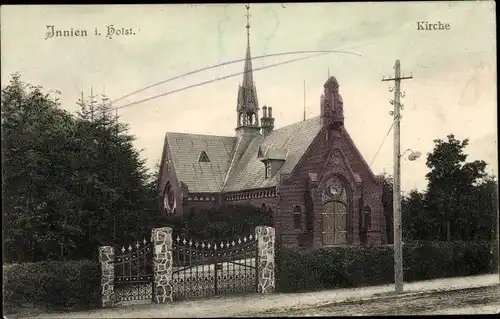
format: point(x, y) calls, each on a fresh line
point(265, 269)
point(107, 259)
point(162, 263)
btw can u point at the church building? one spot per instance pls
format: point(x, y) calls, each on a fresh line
point(309, 175)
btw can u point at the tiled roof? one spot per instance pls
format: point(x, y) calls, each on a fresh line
point(289, 143)
point(292, 141)
point(185, 150)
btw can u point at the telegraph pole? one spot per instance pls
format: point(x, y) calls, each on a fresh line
point(398, 241)
point(497, 213)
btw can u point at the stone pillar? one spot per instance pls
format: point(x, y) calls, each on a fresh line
point(107, 259)
point(162, 264)
point(265, 268)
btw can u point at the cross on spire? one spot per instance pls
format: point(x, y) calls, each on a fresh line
point(248, 23)
point(248, 15)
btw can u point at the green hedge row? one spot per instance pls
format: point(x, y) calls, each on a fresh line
point(344, 267)
point(53, 284)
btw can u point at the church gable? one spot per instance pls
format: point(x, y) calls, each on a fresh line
point(337, 164)
point(199, 161)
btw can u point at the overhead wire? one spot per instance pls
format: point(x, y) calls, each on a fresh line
point(214, 80)
point(227, 63)
point(382, 144)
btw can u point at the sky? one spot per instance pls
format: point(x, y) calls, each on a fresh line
point(453, 89)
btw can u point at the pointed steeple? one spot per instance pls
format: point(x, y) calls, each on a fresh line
point(247, 106)
point(248, 72)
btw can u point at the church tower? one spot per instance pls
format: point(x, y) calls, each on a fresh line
point(248, 106)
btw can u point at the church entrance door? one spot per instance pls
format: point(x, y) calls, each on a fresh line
point(334, 223)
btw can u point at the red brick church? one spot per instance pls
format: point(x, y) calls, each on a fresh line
point(309, 175)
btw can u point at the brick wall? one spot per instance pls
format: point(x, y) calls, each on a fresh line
point(319, 159)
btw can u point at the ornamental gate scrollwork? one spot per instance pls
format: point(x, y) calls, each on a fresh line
point(203, 269)
point(163, 270)
point(133, 268)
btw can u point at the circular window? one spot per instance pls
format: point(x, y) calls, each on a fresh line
point(169, 198)
point(334, 190)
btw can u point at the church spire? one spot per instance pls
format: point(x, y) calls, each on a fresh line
point(247, 107)
point(248, 72)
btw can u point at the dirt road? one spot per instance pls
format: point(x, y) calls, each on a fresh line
point(437, 295)
point(468, 301)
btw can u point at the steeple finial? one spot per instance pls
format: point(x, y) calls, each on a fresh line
point(248, 23)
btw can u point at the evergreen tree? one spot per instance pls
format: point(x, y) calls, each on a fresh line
point(70, 183)
point(37, 199)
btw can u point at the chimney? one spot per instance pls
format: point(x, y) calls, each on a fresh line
point(267, 120)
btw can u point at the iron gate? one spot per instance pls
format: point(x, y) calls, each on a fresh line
point(202, 269)
point(134, 272)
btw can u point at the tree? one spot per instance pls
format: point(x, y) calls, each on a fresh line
point(417, 223)
point(451, 192)
point(71, 183)
point(121, 195)
point(36, 199)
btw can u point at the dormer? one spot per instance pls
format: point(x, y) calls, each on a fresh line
point(273, 160)
point(203, 158)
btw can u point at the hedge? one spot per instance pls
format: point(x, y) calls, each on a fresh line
point(53, 284)
point(345, 267)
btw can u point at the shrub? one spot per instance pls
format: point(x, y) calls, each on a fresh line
point(343, 267)
point(218, 223)
point(53, 284)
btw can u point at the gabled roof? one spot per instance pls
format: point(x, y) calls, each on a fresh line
point(294, 139)
point(185, 150)
point(288, 143)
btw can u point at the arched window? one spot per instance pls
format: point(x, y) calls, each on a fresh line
point(263, 207)
point(335, 213)
point(297, 217)
point(367, 218)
